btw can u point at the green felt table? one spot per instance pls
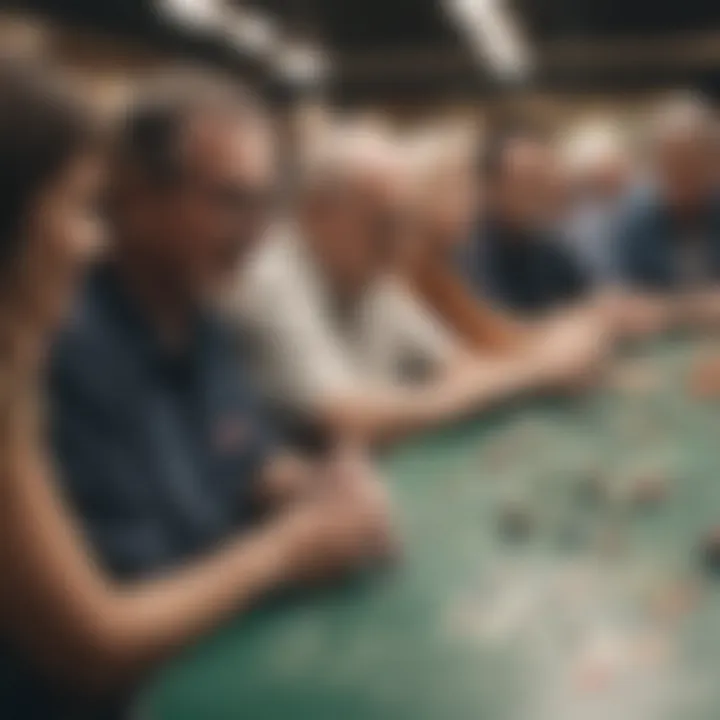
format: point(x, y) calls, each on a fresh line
point(603, 612)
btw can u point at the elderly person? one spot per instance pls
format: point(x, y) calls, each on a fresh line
point(516, 257)
point(668, 241)
point(339, 340)
point(449, 201)
point(598, 167)
point(129, 535)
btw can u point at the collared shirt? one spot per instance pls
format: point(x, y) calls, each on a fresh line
point(525, 273)
point(590, 230)
point(307, 347)
point(158, 451)
point(657, 251)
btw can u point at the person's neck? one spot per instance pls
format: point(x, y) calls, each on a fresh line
point(169, 310)
point(511, 228)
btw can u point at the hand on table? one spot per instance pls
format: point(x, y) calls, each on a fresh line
point(344, 526)
point(570, 351)
point(640, 316)
point(704, 381)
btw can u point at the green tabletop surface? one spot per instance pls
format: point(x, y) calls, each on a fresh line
point(594, 606)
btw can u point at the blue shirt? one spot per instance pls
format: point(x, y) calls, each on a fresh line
point(157, 452)
point(590, 232)
point(657, 251)
point(522, 272)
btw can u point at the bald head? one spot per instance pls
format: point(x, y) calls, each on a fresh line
point(353, 160)
point(680, 119)
point(447, 188)
point(353, 203)
point(597, 162)
point(523, 180)
point(685, 152)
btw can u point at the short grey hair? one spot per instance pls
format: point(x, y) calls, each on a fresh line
point(150, 132)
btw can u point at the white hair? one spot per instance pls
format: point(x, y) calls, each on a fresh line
point(593, 144)
point(346, 153)
point(680, 116)
point(429, 152)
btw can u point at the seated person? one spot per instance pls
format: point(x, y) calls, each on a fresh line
point(448, 203)
point(158, 445)
point(668, 243)
point(339, 339)
point(515, 257)
point(598, 165)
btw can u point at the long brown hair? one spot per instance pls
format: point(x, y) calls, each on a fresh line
point(43, 126)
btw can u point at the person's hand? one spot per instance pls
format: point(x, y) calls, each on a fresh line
point(704, 379)
point(343, 528)
point(349, 461)
point(289, 478)
point(699, 310)
point(642, 316)
point(569, 352)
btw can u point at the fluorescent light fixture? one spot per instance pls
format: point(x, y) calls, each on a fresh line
point(494, 36)
point(303, 63)
point(250, 31)
point(205, 14)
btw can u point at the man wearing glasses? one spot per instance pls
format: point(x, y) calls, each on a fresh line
point(161, 446)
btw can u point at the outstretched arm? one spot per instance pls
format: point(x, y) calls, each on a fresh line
point(92, 634)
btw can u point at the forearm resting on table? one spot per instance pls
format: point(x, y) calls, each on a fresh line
point(646, 314)
point(701, 309)
point(287, 477)
point(92, 634)
point(384, 414)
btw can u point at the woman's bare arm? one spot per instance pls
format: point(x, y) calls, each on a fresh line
point(56, 604)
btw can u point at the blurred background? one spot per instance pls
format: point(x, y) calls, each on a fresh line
point(405, 59)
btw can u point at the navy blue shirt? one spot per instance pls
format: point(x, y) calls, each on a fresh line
point(658, 251)
point(158, 450)
point(158, 453)
point(522, 272)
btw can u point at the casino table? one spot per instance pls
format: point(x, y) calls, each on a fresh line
point(593, 606)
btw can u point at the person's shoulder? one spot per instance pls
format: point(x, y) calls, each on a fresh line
point(640, 204)
point(278, 279)
point(88, 349)
point(86, 327)
point(275, 266)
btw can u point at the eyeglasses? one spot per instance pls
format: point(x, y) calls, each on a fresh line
point(236, 198)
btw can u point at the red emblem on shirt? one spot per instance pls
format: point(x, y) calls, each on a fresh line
point(231, 434)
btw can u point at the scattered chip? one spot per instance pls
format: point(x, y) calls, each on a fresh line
point(704, 382)
point(516, 520)
point(611, 543)
point(572, 534)
point(635, 377)
point(710, 550)
point(648, 489)
point(675, 600)
point(593, 488)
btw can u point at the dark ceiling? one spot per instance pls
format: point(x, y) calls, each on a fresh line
point(403, 48)
point(552, 19)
